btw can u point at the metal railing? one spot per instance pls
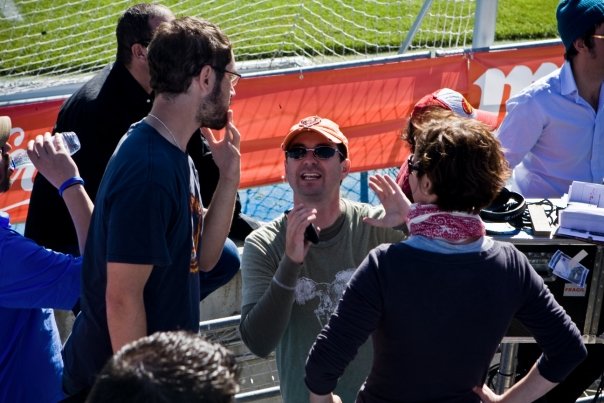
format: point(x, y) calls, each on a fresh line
point(225, 331)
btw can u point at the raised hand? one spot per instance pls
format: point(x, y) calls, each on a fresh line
point(396, 204)
point(298, 219)
point(225, 152)
point(51, 158)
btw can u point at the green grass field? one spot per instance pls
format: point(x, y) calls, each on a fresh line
point(62, 36)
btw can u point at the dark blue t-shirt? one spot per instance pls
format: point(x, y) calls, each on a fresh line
point(146, 208)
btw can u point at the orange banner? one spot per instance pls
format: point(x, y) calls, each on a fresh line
point(28, 120)
point(370, 102)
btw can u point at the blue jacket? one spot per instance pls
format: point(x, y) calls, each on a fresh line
point(32, 280)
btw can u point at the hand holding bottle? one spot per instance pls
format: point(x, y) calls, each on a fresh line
point(51, 157)
point(70, 141)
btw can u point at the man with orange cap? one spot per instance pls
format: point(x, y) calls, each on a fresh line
point(291, 285)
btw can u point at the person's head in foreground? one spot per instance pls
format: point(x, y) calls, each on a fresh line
point(438, 105)
point(580, 25)
point(166, 367)
point(458, 164)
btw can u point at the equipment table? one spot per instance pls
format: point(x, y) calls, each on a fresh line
point(583, 305)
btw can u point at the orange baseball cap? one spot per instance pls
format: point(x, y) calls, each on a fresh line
point(452, 100)
point(325, 127)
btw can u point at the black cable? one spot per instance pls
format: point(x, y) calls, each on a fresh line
point(492, 373)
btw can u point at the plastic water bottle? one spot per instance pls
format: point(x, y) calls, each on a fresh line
point(20, 158)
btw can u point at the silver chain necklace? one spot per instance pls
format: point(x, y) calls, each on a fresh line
point(167, 128)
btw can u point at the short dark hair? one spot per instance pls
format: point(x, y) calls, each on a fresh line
point(463, 160)
point(175, 366)
point(588, 39)
point(181, 48)
point(134, 27)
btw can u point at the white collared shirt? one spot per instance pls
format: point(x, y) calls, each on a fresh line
point(552, 136)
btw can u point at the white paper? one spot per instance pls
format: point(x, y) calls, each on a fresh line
point(583, 217)
point(591, 194)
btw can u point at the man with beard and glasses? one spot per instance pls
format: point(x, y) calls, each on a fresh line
point(100, 112)
point(146, 248)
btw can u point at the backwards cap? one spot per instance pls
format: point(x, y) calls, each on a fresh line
point(452, 100)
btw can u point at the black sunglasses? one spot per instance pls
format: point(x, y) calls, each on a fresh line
point(319, 152)
point(414, 166)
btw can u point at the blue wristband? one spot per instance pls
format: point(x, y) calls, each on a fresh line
point(76, 180)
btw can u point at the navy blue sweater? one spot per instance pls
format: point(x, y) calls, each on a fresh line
point(436, 321)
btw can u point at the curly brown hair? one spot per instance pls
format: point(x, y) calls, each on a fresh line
point(463, 160)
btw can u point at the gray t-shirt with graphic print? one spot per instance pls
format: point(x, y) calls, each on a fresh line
point(285, 305)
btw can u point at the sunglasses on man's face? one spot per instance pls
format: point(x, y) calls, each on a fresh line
point(319, 152)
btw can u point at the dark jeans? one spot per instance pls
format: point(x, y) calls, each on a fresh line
point(222, 273)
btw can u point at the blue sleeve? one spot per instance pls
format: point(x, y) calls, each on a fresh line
point(34, 277)
point(521, 128)
point(354, 320)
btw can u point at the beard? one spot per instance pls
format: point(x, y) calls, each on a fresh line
point(212, 111)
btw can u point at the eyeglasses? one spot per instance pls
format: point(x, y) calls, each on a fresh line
point(319, 152)
point(414, 166)
point(234, 77)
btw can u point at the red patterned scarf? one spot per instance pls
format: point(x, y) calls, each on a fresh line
point(451, 226)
